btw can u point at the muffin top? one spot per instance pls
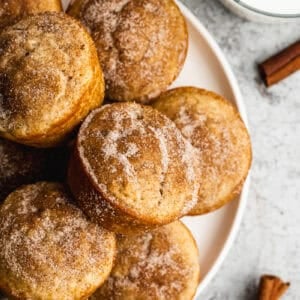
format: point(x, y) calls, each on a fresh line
point(48, 249)
point(160, 264)
point(138, 161)
point(142, 44)
point(216, 130)
point(46, 63)
point(12, 10)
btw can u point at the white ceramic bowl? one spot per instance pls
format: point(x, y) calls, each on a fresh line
point(265, 10)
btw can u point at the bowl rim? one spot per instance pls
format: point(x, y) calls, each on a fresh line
point(253, 9)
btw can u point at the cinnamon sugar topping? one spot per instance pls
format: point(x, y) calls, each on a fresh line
point(48, 246)
point(141, 44)
point(131, 151)
point(153, 265)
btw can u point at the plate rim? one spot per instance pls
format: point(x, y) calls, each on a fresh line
point(239, 102)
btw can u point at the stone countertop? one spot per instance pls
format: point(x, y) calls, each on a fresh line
point(269, 238)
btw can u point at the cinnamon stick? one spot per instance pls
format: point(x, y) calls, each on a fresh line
point(272, 287)
point(281, 65)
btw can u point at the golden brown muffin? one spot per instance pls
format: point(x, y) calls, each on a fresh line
point(131, 168)
point(50, 79)
point(214, 127)
point(142, 44)
point(12, 10)
point(48, 249)
point(161, 264)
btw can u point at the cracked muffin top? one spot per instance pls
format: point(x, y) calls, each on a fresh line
point(50, 78)
point(139, 162)
point(142, 44)
point(13, 10)
point(161, 264)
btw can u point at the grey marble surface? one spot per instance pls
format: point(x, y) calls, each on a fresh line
point(269, 238)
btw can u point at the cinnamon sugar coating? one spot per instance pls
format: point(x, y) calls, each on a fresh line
point(13, 10)
point(48, 249)
point(142, 44)
point(132, 168)
point(50, 79)
point(216, 130)
point(161, 264)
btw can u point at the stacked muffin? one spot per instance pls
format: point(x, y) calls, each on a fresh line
point(109, 229)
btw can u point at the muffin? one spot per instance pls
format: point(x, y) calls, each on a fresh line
point(161, 264)
point(13, 10)
point(48, 249)
point(50, 79)
point(216, 130)
point(142, 44)
point(132, 169)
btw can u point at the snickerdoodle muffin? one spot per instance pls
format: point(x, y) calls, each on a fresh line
point(132, 169)
point(216, 130)
point(50, 79)
point(48, 249)
point(13, 10)
point(142, 44)
point(161, 264)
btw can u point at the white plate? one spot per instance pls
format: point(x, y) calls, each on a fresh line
point(207, 67)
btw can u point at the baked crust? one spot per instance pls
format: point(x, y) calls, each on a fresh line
point(13, 10)
point(132, 169)
point(48, 249)
point(50, 79)
point(161, 264)
point(142, 44)
point(214, 127)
